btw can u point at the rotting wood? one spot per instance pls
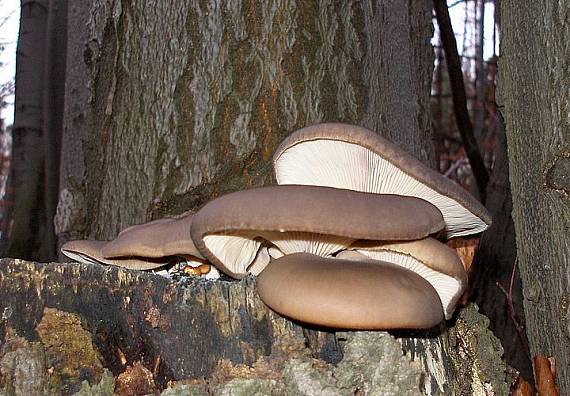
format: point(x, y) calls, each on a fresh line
point(216, 332)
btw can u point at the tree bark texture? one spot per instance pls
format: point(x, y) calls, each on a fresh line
point(533, 84)
point(188, 102)
point(69, 222)
point(494, 281)
point(65, 323)
point(134, 315)
point(40, 71)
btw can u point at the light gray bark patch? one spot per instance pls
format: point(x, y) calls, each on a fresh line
point(141, 103)
point(565, 313)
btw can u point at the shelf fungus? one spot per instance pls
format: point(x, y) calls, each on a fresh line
point(149, 246)
point(432, 260)
point(352, 157)
point(158, 238)
point(347, 294)
point(348, 239)
point(240, 232)
point(89, 252)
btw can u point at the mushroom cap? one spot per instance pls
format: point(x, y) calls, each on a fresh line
point(89, 252)
point(229, 230)
point(329, 154)
point(158, 238)
point(434, 261)
point(363, 295)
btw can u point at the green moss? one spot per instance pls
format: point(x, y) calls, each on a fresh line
point(69, 348)
point(477, 354)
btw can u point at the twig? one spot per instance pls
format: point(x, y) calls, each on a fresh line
point(457, 164)
point(512, 312)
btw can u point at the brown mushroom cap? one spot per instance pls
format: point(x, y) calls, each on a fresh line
point(364, 295)
point(434, 261)
point(330, 154)
point(159, 238)
point(229, 230)
point(89, 252)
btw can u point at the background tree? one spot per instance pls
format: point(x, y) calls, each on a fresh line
point(40, 70)
point(533, 88)
point(494, 280)
point(6, 92)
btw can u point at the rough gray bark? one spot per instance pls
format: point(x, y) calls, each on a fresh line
point(221, 83)
point(74, 134)
point(533, 86)
point(189, 102)
point(191, 326)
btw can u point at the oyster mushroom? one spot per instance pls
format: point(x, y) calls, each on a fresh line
point(89, 252)
point(351, 157)
point(347, 294)
point(432, 260)
point(238, 232)
point(158, 238)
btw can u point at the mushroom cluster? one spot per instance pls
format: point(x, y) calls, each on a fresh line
point(349, 238)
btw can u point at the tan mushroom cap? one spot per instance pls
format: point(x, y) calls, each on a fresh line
point(158, 238)
point(89, 252)
point(434, 261)
point(230, 230)
point(330, 154)
point(363, 295)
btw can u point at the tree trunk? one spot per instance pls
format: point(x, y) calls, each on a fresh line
point(189, 102)
point(219, 84)
point(494, 282)
point(534, 91)
point(69, 222)
point(135, 316)
point(40, 76)
point(27, 170)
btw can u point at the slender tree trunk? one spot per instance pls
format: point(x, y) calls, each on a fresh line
point(27, 170)
point(40, 75)
point(52, 114)
point(189, 102)
point(533, 86)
